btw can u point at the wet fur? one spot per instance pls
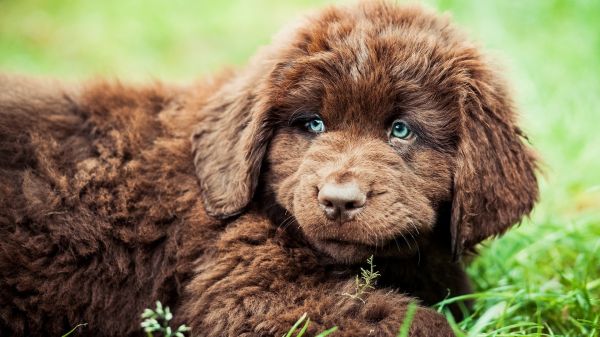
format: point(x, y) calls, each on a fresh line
point(113, 196)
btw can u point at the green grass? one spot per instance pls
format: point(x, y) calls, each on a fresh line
point(541, 279)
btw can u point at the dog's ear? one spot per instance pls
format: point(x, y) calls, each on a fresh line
point(230, 141)
point(495, 183)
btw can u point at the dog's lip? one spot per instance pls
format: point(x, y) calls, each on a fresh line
point(339, 241)
point(344, 251)
point(343, 242)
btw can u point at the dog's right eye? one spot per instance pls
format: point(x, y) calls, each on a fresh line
point(315, 125)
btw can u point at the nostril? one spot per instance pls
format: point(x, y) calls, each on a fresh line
point(324, 200)
point(354, 205)
point(360, 201)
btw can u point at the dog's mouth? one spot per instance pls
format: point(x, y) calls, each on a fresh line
point(349, 251)
point(344, 251)
point(341, 242)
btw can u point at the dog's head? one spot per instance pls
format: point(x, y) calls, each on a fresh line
point(363, 123)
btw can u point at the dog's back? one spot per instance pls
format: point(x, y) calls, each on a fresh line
point(94, 182)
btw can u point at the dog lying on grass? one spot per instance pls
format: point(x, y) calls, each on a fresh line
point(246, 200)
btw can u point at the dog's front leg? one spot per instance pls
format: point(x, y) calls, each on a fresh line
point(261, 290)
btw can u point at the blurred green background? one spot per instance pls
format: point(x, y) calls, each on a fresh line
point(546, 273)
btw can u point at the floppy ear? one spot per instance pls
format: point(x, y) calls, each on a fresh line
point(494, 183)
point(230, 141)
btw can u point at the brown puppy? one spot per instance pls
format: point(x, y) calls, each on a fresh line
point(369, 130)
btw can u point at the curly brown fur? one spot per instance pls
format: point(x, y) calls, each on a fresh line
point(209, 198)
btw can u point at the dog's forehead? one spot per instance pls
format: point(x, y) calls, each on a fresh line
point(398, 38)
point(364, 69)
point(372, 64)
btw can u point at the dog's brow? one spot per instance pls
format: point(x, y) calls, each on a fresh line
point(301, 114)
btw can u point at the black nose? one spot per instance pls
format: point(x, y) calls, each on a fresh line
point(341, 201)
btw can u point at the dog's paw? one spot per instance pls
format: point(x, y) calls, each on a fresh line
point(383, 314)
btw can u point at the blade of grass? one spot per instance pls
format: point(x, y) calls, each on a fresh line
point(303, 330)
point(327, 332)
point(73, 330)
point(408, 318)
point(296, 325)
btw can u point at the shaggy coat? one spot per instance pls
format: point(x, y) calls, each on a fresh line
point(248, 199)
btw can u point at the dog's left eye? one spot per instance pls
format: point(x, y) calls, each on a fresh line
point(315, 125)
point(401, 130)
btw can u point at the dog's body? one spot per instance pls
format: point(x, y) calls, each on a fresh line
point(107, 204)
point(102, 216)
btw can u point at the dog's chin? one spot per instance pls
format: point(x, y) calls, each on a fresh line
point(343, 251)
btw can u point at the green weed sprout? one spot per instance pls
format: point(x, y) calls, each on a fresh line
point(366, 281)
point(157, 321)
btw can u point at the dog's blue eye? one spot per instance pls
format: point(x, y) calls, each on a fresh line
point(401, 130)
point(315, 125)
